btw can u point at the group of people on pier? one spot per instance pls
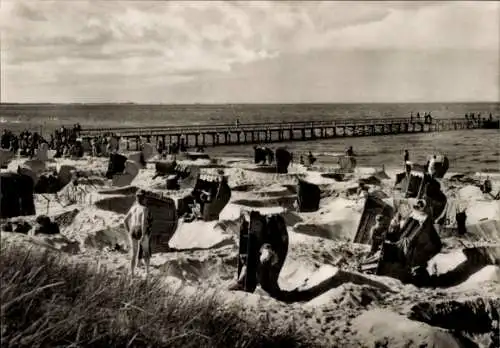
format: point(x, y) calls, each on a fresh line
point(417, 118)
point(476, 118)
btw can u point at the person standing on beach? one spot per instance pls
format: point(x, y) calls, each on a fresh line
point(408, 169)
point(138, 223)
point(406, 156)
point(377, 232)
point(349, 151)
point(432, 166)
point(311, 158)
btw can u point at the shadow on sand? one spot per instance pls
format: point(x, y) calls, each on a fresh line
point(338, 278)
point(476, 259)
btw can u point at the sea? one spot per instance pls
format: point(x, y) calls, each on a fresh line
point(467, 150)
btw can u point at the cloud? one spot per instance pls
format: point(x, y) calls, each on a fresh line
point(24, 11)
point(103, 44)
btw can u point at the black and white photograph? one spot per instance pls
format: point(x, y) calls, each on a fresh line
point(190, 174)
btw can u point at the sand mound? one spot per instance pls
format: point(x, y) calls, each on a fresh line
point(382, 175)
point(75, 194)
point(445, 262)
point(145, 180)
point(107, 237)
point(470, 193)
point(472, 315)
point(338, 219)
point(348, 296)
point(57, 242)
point(91, 221)
point(485, 274)
point(485, 230)
point(201, 270)
point(383, 328)
point(200, 235)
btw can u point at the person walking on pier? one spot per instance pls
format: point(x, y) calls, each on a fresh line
point(406, 156)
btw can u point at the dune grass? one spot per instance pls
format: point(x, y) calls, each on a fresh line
point(46, 302)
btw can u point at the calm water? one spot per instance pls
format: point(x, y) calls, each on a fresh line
point(476, 150)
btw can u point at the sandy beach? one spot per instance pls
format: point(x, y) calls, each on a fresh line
point(357, 310)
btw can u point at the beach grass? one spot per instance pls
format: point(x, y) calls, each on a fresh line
point(47, 302)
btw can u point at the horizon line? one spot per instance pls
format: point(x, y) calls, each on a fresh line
point(249, 103)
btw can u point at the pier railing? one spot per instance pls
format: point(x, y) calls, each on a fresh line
point(257, 126)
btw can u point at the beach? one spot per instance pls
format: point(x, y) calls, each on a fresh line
point(361, 308)
point(249, 174)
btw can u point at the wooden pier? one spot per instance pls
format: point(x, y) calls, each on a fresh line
point(256, 133)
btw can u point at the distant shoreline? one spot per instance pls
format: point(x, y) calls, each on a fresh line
point(236, 103)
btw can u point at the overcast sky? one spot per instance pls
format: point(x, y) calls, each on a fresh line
point(218, 52)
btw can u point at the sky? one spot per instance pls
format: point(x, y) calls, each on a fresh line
point(249, 52)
